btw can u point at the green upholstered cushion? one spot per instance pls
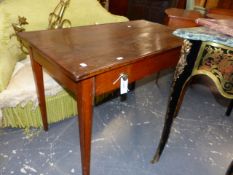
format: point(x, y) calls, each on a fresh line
point(79, 12)
point(87, 12)
point(37, 14)
point(9, 51)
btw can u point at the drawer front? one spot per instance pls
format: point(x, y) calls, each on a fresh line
point(105, 82)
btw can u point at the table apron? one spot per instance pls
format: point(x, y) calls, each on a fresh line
point(136, 70)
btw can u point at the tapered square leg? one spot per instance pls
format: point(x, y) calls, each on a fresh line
point(85, 99)
point(38, 77)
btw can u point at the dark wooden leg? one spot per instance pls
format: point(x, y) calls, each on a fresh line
point(229, 108)
point(230, 169)
point(181, 80)
point(38, 76)
point(175, 100)
point(85, 99)
point(164, 138)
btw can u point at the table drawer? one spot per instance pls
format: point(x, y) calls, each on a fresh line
point(135, 71)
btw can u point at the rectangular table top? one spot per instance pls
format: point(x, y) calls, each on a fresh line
point(82, 52)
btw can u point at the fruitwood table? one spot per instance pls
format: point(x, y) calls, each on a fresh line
point(87, 60)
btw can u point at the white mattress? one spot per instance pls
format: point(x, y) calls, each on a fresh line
point(21, 88)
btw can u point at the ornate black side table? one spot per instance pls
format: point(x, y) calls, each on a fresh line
point(204, 52)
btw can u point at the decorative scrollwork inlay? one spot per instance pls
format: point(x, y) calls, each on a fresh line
point(182, 61)
point(219, 62)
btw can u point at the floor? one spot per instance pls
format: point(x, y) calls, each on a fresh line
point(125, 136)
